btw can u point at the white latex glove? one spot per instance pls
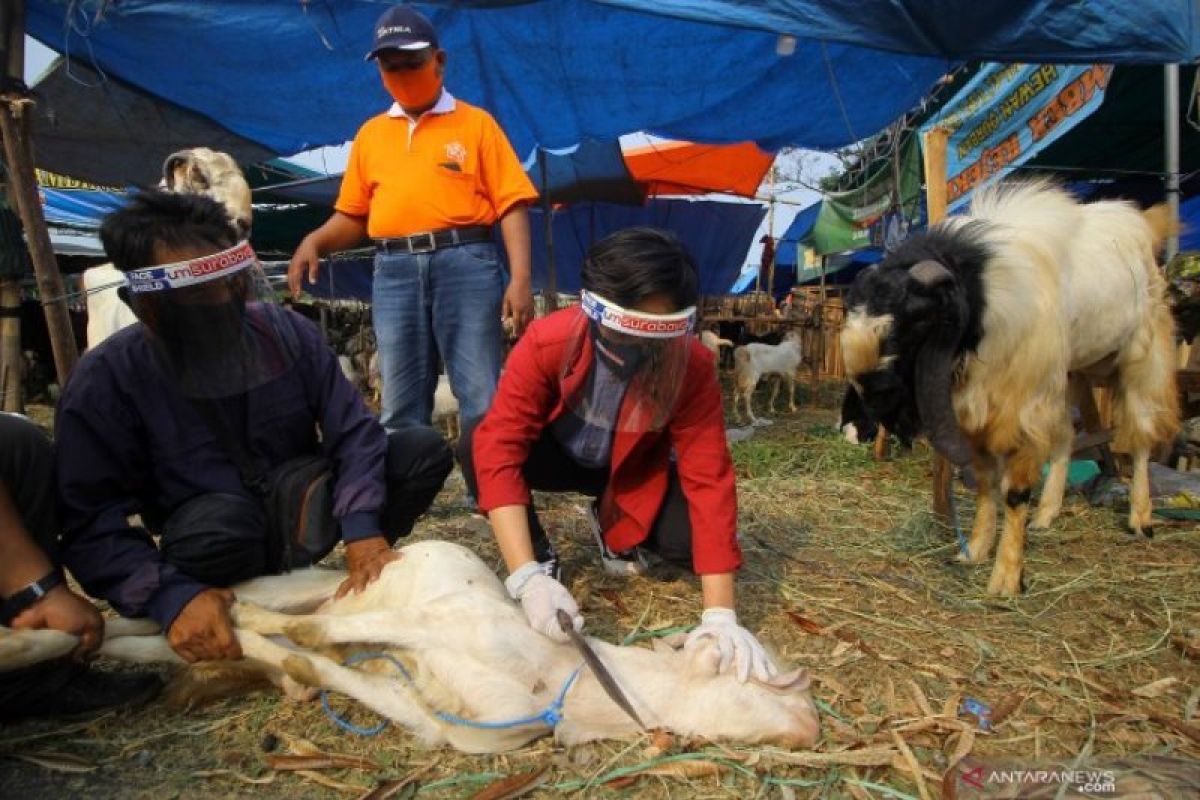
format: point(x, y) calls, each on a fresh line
point(736, 645)
point(541, 597)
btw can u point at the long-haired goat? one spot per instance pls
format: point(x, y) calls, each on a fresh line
point(968, 332)
point(468, 652)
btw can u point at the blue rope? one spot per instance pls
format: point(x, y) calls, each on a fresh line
point(963, 547)
point(551, 715)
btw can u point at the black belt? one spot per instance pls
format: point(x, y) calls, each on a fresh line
point(435, 240)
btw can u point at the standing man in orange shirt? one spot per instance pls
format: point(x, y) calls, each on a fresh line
point(426, 181)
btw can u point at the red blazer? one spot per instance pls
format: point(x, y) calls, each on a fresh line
point(530, 397)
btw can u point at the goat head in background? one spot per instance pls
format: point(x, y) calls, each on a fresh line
point(214, 174)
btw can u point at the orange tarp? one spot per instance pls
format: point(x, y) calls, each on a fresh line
point(687, 168)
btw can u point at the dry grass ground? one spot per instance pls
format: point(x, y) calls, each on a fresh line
point(847, 573)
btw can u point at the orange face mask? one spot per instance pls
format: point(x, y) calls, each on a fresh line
point(414, 88)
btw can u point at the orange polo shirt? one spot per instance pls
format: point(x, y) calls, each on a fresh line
point(452, 167)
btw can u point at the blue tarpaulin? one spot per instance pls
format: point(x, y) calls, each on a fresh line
point(786, 254)
point(787, 250)
point(717, 234)
point(1066, 31)
point(291, 75)
point(79, 208)
point(1189, 217)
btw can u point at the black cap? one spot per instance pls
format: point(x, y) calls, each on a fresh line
point(402, 28)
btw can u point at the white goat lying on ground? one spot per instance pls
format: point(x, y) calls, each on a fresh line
point(968, 332)
point(469, 652)
point(752, 361)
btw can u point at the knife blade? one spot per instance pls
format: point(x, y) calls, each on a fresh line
point(607, 683)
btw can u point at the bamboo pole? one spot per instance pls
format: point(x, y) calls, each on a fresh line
point(935, 197)
point(12, 39)
point(18, 155)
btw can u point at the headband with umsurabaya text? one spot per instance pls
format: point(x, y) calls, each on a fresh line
point(637, 323)
point(194, 271)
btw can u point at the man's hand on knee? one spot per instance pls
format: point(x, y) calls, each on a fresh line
point(365, 560)
point(203, 631)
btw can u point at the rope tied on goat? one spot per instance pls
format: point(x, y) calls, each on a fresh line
point(551, 715)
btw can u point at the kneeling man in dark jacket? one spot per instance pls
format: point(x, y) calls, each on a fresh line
point(224, 426)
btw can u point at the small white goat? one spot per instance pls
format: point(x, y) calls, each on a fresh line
point(445, 407)
point(107, 313)
point(469, 652)
point(752, 361)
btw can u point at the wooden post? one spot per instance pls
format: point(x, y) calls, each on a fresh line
point(551, 295)
point(12, 39)
point(11, 398)
point(935, 198)
point(18, 154)
point(771, 236)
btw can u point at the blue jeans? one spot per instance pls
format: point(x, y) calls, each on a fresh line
point(446, 302)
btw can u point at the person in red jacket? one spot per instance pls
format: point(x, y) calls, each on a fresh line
point(618, 400)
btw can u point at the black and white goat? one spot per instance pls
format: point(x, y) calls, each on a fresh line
point(967, 332)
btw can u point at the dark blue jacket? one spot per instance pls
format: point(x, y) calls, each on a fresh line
point(129, 443)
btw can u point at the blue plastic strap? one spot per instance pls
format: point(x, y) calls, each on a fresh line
point(359, 658)
point(551, 715)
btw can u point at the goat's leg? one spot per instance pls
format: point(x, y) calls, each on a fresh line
point(23, 648)
point(406, 628)
point(983, 534)
point(1022, 471)
point(382, 694)
point(1140, 510)
point(1056, 482)
point(775, 381)
point(791, 382)
point(747, 400)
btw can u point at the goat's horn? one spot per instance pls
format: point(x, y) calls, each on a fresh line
point(171, 161)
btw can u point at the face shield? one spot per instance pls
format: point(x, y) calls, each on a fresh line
point(212, 330)
point(645, 354)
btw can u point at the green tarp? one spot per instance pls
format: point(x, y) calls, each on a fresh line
point(862, 217)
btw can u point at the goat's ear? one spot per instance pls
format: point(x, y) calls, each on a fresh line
point(930, 275)
point(659, 646)
point(793, 681)
point(703, 658)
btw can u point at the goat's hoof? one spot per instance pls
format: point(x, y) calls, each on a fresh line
point(1144, 530)
point(305, 634)
point(301, 670)
point(1006, 584)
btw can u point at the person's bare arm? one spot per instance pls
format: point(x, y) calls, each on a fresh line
point(21, 563)
point(518, 298)
point(340, 232)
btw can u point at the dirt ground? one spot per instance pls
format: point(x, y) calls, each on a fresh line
point(1098, 663)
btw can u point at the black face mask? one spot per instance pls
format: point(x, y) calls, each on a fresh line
point(623, 358)
point(202, 333)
